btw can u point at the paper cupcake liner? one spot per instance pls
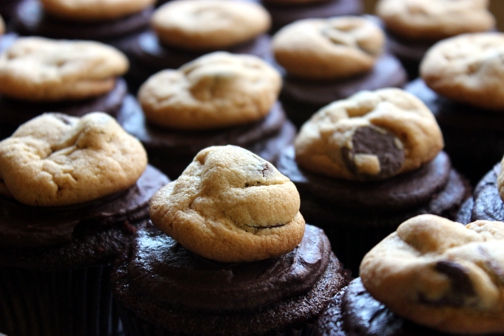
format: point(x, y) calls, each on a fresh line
point(67, 303)
point(134, 326)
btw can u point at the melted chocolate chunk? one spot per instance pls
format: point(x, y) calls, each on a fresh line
point(461, 286)
point(378, 142)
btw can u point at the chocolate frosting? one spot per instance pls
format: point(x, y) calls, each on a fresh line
point(354, 312)
point(282, 15)
point(401, 192)
point(163, 271)
point(148, 55)
point(16, 112)
point(31, 20)
point(28, 227)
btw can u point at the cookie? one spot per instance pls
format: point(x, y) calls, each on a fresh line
point(214, 91)
point(435, 19)
point(209, 25)
point(56, 160)
point(328, 48)
point(468, 69)
point(230, 205)
point(369, 136)
point(441, 274)
point(39, 69)
point(94, 10)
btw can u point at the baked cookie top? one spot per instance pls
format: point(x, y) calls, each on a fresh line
point(230, 205)
point(56, 160)
point(214, 91)
point(435, 19)
point(468, 68)
point(40, 69)
point(441, 274)
point(94, 10)
point(328, 48)
point(369, 136)
point(209, 25)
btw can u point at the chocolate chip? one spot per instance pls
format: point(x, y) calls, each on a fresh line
point(380, 143)
point(461, 288)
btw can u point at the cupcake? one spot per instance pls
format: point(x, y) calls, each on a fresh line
point(462, 83)
point(365, 164)
point(73, 191)
point(486, 202)
point(185, 30)
point(331, 59)
point(218, 99)
point(413, 26)
point(284, 12)
point(229, 255)
point(113, 22)
point(39, 75)
point(431, 277)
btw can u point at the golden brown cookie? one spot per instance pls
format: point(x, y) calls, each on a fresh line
point(230, 205)
point(435, 19)
point(369, 136)
point(40, 69)
point(214, 91)
point(441, 274)
point(328, 48)
point(94, 10)
point(210, 24)
point(56, 160)
point(468, 68)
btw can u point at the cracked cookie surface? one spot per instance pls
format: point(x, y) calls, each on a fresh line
point(369, 136)
point(94, 10)
point(328, 48)
point(435, 19)
point(441, 274)
point(230, 205)
point(214, 91)
point(40, 69)
point(57, 160)
point(468, 68)
point(210, 24)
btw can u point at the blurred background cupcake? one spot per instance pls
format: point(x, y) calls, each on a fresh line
point(182, 31)
point(40, 75)
point(229, 255)
point(462, 82)
point(331, 59)
point(217, 99)
point(365, 164)
point(73, 192)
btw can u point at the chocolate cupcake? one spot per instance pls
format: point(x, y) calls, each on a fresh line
point(431, 277)
point(217, 99)
point(185, 30)
point(39, 75)
point(230, 255)
point(366, 164)
point(462, 85)
point(331, 59)
point(284, 12)
point(414, 26)
point(114, 22)
point(72, 194)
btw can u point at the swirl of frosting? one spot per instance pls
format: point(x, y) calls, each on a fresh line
point(468, 68)
point(369, 136)
point(441, 274)
point(216, 90)
point(230, 205)
point(328, 48)
point(56, 160)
